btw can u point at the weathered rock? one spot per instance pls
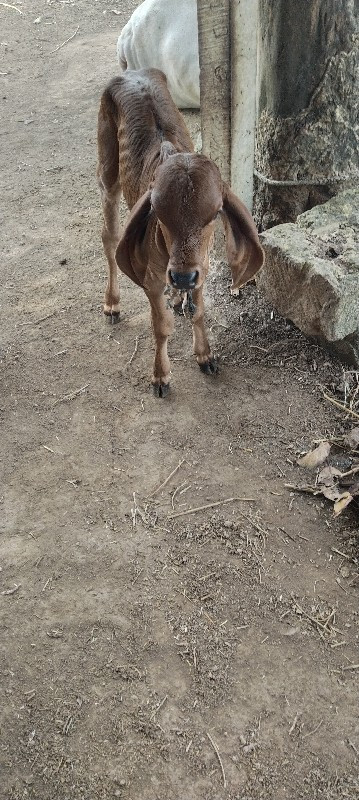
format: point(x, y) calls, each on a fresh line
point(311, 274)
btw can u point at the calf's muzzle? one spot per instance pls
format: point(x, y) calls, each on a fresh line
point(183, 280)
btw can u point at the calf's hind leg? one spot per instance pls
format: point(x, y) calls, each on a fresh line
point(110, 188)
point(110, 238)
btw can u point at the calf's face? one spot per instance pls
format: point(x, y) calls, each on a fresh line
point(187, 198)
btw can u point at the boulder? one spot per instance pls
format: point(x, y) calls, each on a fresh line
point(311, 274)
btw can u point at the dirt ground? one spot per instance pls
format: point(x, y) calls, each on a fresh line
point(145, 655)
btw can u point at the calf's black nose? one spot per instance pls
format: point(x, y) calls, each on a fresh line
point(183, 280)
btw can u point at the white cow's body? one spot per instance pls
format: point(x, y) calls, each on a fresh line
point(164, 34)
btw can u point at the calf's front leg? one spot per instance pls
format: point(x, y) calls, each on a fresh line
point(163, 325)
point(201, 348)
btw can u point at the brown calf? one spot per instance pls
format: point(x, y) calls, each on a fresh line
point(175, 195)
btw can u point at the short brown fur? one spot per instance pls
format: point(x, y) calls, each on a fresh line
point(174, 195)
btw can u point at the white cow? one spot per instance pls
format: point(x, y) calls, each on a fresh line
point(164, 34)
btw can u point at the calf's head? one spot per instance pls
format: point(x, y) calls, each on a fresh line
point(186, 197)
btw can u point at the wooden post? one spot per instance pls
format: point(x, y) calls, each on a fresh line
point(244, 22)
point(214, 62)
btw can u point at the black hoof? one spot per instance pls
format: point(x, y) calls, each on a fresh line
point(160, 389)
point(113, 319)
point(210, 367)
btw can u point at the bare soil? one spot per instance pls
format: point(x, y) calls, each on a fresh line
point(143, 655)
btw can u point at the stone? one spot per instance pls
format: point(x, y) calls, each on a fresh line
point(311, 273)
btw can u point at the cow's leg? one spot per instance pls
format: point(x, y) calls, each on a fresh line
point(110, 188)
point(163, 325)
point(110, 239)
point(201, 346)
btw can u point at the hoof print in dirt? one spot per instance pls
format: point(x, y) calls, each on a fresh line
point(210, 367)
point(161, 389)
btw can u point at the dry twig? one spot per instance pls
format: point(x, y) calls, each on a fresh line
point(215, 748)
point(11, 591)
point(134, 352)
point(65, 42)
point(164, 483)
point(286, 533)
point(7, 5)
point(252, 522)
point(310, 733)
point(339, 553)
point(149, 519)
point(330, 618)
point(356, 751)
point(311, 619)
point(156, 710)
point(352, 471)
point(291, 729)
point(54, 452)
point(341, 406)
point(71, 395)
point(173, 495)
point(67, 725)
point(212, 505)
point(36, 321)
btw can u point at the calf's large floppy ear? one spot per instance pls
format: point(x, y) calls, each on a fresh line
point(134, 248)
point(244, 252)
point(135, 245)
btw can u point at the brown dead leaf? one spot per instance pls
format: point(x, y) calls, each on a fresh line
point(342, 502)
point(315, 457)
point(352, 438)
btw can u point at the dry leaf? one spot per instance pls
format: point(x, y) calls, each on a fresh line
point(327, 475)
point(315, 457)
point(327, 485)
point(331, 492)
point(342, 502)
point(352, 438)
